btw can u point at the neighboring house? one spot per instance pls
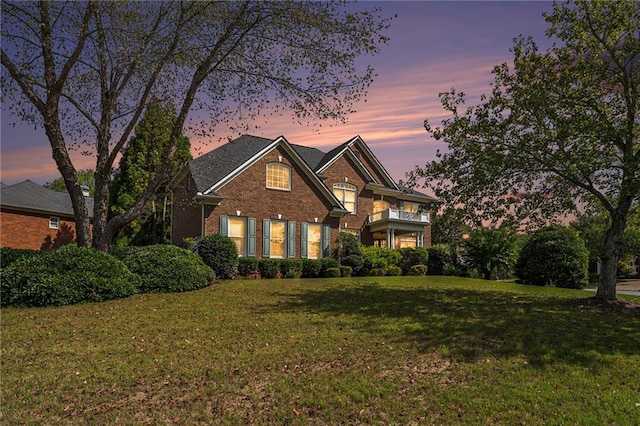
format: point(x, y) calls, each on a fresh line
point(276, 199)
point(34, 217)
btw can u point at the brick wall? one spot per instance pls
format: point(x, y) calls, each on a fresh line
point(26, 230)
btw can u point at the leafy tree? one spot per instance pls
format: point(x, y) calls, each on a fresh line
point(559, 129)
point(138, 166)
point(85, 177)
point(349, 252)
point(489, 250)
point(86, 71)
point(553, 255)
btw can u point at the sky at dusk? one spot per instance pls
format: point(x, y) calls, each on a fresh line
point(433, 47)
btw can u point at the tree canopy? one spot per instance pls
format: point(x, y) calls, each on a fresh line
point(85, 177)
point(86, 71)
point(559, 130)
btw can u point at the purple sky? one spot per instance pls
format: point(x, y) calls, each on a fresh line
point(434, 46)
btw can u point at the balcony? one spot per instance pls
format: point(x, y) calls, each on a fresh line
point(395, 215)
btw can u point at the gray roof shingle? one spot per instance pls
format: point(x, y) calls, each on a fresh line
point(28, 195)
point(213, 166)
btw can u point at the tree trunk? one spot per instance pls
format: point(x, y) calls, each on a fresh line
point(612, 253)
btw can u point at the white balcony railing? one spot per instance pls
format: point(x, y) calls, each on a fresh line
point(395, 214)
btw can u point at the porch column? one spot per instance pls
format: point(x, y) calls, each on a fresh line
point(388, 237)
point(393, 238)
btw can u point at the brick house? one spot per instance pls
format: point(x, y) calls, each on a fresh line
point(276, 199)
point(34, 217)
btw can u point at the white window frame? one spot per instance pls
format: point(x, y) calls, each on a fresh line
point(343, 188)
point(272, 240)
point(54, 222)
point(271, 167)
point(242, 251)
point(311, 242)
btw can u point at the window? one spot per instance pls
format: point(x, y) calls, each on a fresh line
point(314, 241)
point(279, 176)
point(278, 240)
point(408, 206)
point(380, 206)
point(347, 194)
point(403, 241)
point(54, 222)
point(238, 233)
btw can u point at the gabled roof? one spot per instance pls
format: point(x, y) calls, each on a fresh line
point(212, 167)
point(312, 156)
point(30, 196)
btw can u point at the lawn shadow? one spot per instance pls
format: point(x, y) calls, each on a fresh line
point(468, 325)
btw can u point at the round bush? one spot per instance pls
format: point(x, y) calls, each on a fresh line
point(412, 256)
point(378, 258)
point(220, 254)
point(377, 272)
point(328, 262)
point(66, 276)
point(332, 273)
point(291, 268)
point(346, 271)
point(166, 268)
point(311, 268)
point(419, 270)
point(555, 256)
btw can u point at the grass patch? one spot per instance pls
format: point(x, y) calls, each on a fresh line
point(399, 350)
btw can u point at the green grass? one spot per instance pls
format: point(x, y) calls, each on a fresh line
point(376, 350)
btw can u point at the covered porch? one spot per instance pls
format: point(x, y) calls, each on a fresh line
point(395, 228)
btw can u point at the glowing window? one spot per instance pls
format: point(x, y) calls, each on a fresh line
point(408, 206)
point(278, 239)
point(314, 240)
point(279, 176)
point(238, 233)
point(347, 194)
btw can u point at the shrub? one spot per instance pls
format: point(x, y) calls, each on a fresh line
point(419, 270)
point(66, 276)
point(328, 262)
point(440, 256)
point(291, 268)
point(354, 261)
point(378, 258)
point(346, 271)
point(394, 271)
point(268, 268)
point(412, 256)
point(555, 256)
point(247, 266)
point(349, 252)
point(377, 272)
point(311, 268)
point(332, 273)
point(10, 255)
point(219, 253)
point(166, 268)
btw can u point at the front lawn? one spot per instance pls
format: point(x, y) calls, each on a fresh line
point(375, 350)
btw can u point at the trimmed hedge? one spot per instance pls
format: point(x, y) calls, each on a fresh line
point(220, 254)
point(394, 271)
point(66, 276)
point(247, 266)
point(346, 271)
point(290, 268)
point(441, 256)
point(166, 268)
point(412, 256)
point(419, 270)
point(268, 268)
point(311, 268)
point(332, 273)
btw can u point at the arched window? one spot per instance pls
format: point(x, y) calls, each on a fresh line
point(347, 194)
point(279, 176)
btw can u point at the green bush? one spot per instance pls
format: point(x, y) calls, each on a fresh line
point(349, 252)
point(66, 276)
point(291, 268)
point(377, 272)
point(554, 256)
point(10, 255)
point(247, 266)
point(394, 271)
point(268, 268)
point(332, 273)
point(378, 258)
point(440, 257)
point(346, 271)
point(419, 270)
point(328, 262)
point(412, 256)
point(311, 268)
point(220, 254)
point(166, 268)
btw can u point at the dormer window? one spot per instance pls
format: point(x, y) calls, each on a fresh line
point(279, 176)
